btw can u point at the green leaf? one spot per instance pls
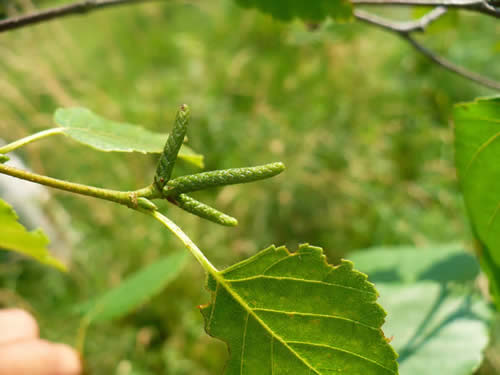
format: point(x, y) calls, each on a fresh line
point(283, 313)
point(135, 290)
point(438, 320)
point(477, 148)
point(15, 237)
point(340, 10)
point(406, 264)
point(92, 130)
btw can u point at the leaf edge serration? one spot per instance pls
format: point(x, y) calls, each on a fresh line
point(213, 283)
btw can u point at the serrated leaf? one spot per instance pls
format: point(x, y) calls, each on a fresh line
point(283, 313)
point(135, 290)
point(477, 148)
point(15, 237)
point(339, 10)
point(438, 321)
point(92, 130)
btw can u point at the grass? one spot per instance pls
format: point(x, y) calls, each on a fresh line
point(360, 120)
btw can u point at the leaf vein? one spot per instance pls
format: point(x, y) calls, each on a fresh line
point(343, 351)
point(480, 150)
point(337, 317)
point(287, 278)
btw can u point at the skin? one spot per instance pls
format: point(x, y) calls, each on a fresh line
point(22, 352)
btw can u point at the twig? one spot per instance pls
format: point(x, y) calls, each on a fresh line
point(481, 6)
point(405, 30)
point(80, 7)
point(34, 137)
point(127, 198)
point(418, 25)
point(451, 66)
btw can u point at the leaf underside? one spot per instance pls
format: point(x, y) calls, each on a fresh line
point(339, 10)
point(477, 147)
point(92, 130)
point(15, 237)
point(292, 313)
point(438, 319)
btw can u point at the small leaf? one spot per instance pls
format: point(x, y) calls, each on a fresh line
point(340, 10)
point(283, 313)
point(477, 148)
point(86, 127)
point(135, 290)
point(4, 158)
point(438, 320)
point(15, 237)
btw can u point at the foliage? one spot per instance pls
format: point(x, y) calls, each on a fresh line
point(340, 10)
point(433, 288)
point(92, 130)
point(477, 132)
point(364, 169)
point(293, 313)
point(16, 238)
point(134, 291)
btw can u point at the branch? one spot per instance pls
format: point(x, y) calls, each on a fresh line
point(481, 6)
point(81, 7)
point(405, 30)
point(407, 27)
point(127, 198)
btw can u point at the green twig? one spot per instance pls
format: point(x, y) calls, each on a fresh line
point(127, 198)
point(34, 137)
point(190, 245)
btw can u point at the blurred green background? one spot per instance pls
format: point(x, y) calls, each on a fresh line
point(361, 121)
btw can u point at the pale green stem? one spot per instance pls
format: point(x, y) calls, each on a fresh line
point(197, 253)
point(128, 198)
point(33, 137)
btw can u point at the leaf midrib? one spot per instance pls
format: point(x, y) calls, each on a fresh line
point(220, 280)
point(250, 311)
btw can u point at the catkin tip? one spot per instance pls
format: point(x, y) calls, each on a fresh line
point(230, 222)
point(279, 166)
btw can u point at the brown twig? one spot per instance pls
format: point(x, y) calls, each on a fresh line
point(81, 7)
point(482, 6)
point(405, 30)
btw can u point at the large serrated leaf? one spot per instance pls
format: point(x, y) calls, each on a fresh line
point(340, 10)
point(283, 313)
point(135, 290)
point(92, 130)
point(477, 148)
point(15, 237)
point(438, 320)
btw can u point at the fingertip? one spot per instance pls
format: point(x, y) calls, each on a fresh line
point(68, 360)
point(17, 324)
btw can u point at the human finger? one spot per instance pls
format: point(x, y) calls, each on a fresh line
point(17, 324)
point(38, 357)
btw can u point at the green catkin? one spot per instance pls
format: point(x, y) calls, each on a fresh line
point(202, 210)
point(172, 146)
point(204, 180)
